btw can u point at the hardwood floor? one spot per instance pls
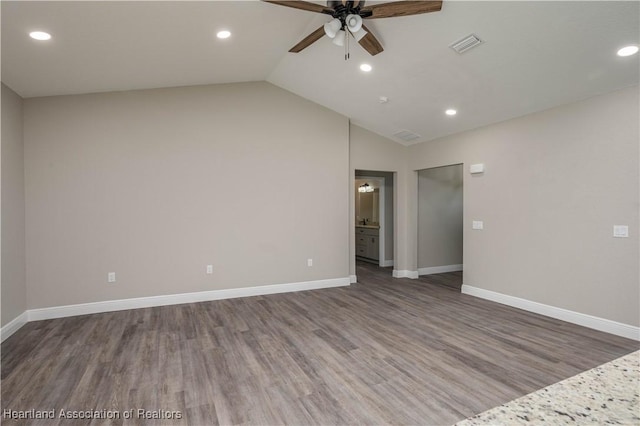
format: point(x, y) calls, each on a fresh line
point(381, 351)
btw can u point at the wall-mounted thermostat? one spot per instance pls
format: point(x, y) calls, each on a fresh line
point(476, 168)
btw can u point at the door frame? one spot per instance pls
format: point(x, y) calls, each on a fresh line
point(436, 269)
point(381, 215)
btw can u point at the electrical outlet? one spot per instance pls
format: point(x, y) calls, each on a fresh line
point(309, 262)
point(477, 224)
point(111, 277)
point(209, 269)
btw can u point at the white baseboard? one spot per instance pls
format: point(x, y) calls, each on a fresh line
point(176, 299)
point(353, 279)
point(403, 273)
point(386, 263)
point(13, 326)
point(439, 269)
point(597, 323)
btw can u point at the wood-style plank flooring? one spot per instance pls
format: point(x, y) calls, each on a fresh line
point(382, 351)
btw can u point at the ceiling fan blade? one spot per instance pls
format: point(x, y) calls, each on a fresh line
point(308, 40)
point(303, 5)
point(370, 43)
point(400, 8)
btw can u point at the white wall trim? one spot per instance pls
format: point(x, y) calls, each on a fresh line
point(596, 323)
point(382, 207)
point(403, 273)
point(353, 279)
point(439, 269)
point(176, 299)
point(386, 263)
point(13, 326)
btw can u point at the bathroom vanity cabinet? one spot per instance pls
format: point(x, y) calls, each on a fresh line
point(368, 243)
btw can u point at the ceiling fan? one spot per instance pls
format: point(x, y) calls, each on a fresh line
point(347, 19)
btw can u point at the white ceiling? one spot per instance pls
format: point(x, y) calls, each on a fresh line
point(536, 55)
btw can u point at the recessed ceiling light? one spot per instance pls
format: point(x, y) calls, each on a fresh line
point(224, 34)
point(40, 35)
point(628, 50)
point(366, 67)
point(451, 111)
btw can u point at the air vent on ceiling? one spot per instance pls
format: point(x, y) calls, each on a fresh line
point(406, 135)
point(466, 43)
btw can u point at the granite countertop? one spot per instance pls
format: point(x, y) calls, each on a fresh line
point(608, 394)
point(368, 226)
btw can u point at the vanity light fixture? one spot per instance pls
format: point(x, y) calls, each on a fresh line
point(40, 35)
point(365, 188)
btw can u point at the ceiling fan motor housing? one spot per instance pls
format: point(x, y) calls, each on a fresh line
point(335, 3)
point(341, 11)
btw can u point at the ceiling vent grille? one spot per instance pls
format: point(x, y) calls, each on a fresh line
point(466, 43)
point(406, 136)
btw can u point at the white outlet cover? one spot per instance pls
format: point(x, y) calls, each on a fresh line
point(477, 224)
point(209, 269)
point(309, 262)
point(620, 231)
point(111, 277)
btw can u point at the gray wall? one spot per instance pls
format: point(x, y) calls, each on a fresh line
point(388, 206)
point(156, 184)
point(555, 184)
point(440, 216)
point(153, 185)
point(13, 229)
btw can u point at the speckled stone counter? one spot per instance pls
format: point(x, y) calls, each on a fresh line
point(608, 394)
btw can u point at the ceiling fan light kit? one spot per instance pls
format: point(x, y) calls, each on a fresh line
point(332, 27)
point(338, 40)
point(347, 19)
point(353, 22)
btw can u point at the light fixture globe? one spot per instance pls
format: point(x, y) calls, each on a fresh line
point(353, 22)
point(365, 187)
point(338, 40)
point(332, 27)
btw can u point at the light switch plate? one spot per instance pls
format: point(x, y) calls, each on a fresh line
point(620, 231)
point(476, 168)
point(209, 269)
point(111, 277)
point(477, 224)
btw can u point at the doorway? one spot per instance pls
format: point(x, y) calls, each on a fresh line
point(374, 217)
point(440, 220)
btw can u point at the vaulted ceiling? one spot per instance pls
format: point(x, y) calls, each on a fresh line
point(534, 55)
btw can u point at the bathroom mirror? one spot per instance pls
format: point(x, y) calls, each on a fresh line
point(367, 203)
